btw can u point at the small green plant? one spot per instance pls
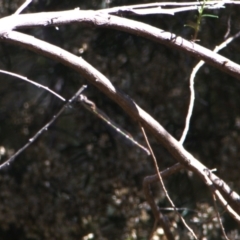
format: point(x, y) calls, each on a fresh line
point(196, 25)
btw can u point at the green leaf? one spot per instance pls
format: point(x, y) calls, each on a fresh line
point(210, 15)
point(191, 25)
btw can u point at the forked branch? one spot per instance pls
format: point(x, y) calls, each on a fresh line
point(102, 83)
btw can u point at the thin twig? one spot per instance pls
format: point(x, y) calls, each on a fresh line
point(219, 217)
point(163, 185)
point(44, 128)
point(191, 85)
point(165, 173)
point(159, 217)
point(230, 195)
point(32, 82)
point(155, 8)
point(22, 7)
point(154, 229)
point(228, 28)
point(210, 183)
point(188, 118)
point(191, 102)
point(104, 84)
point(91, 106)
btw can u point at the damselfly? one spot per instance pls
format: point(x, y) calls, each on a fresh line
point(92, 108)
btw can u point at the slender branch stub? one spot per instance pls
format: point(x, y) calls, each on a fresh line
point(86, 101)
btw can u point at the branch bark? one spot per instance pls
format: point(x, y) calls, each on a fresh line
point(124, 101)
point(102, 83)
point(104, 20)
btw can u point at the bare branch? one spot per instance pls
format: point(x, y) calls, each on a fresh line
point(163, 185)
point(231, 196)
point(165, 173)
point(44, 128)
point(191, 102)
point(219, 217)
point(196, 3)
point(156, 8)
point(33, 83)
point(159, 217)
point(91, 106)
point(220, 197)
point(102, 83)
point(22, 7)
point(103, 20)
point(191, 85)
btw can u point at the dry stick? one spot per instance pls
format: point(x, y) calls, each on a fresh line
point(158, 10)
point(91, 106)
point(225, 190)
point(191, 85)
point(22, 7)
point(232, 213)
point(159, 4)
point(218, 216)
point(165, 173)
point(44, 128)
point(9, 25)
point(228, 28)
point(191, 105)
point(32, 82)
point(159, 217)
point(162, 183)
point(104, 20)
point(216, 192)
point(220, 197)
point(155, 8)
point(102, 83)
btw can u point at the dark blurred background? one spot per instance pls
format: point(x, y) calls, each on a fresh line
point(80, 179)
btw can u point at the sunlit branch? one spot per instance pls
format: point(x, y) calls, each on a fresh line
point(104, 20)
point(91, 106)
point(219, 196)
point(163, 185)
point(156, 8)
point(191, 85)
point(44, 128)
point(33, 83)
point(104, 84)
point(22, 7)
